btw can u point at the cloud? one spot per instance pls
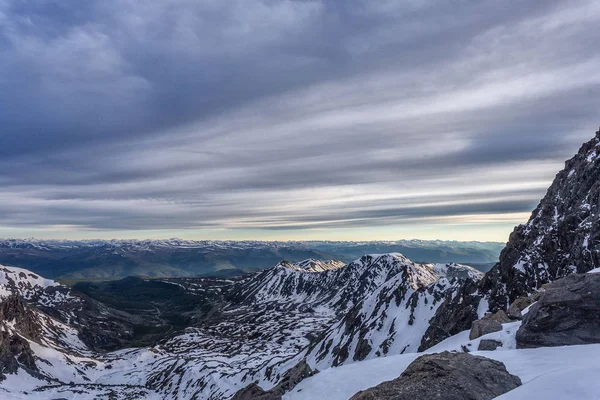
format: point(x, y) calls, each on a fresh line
point(276, 114)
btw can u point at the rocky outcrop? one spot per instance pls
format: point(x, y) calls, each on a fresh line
point(14, 310)
point(567, 313)
point(561, 238)
point(293, 377)
point(255, 392)
point(453, 316)
point(15, 352)
point(289, 380)
point(447, 376)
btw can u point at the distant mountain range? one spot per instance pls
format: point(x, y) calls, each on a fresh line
point(114, 259)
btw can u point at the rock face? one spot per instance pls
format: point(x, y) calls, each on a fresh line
point(290, 379)
point(453, 316)
point(447, 376)
point(561, 238)
point(567, 313)
point(15, 352)
point(14, 309)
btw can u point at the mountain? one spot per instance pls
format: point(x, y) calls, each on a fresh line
point(562, 237)
point(234, 332)
point(113, 259)
point(393, 318)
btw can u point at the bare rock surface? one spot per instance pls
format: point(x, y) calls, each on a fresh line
point(567, 313)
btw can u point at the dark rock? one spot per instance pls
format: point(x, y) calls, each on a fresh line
point(293, 377)
point(12, 308)
point(567, 313)
point(563, 232)
point(561, 238)
point(254, 392)
point(289, 380)
point(15, 352)
point(514, 313)
point(489, 345)
point(483, 327)
point(446, 376)
point(454, 315)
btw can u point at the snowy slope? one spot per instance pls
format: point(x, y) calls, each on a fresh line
point(393, 318)
point(556, 373)
point(22, 282)
point(312, 265)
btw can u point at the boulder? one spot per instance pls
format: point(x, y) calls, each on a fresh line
point(489, 345)
point(483, 327)
point(523, 302)
point(446, 376)
point(500, 316)
point(567, 313)
point(514, 313)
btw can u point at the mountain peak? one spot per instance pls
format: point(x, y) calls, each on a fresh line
point(312, 266)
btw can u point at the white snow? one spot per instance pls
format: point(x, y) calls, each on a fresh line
point(482, 308)
point(592, 156)
point(24, 281)
point(556, 373)
point(553, 373)
point(594, 271)
point(520, 266)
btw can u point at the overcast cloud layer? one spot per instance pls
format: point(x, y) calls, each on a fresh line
point(286, 119)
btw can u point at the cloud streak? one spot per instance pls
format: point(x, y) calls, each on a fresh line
point(121, 116)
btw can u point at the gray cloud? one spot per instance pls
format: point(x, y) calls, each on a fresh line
point(277, 114)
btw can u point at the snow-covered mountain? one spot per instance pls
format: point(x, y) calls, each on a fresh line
point(393, 318)
point(268, 324)
point(312, 265)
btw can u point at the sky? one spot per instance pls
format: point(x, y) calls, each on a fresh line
point(289, 119)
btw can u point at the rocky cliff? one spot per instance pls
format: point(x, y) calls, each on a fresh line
point(562, 237)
